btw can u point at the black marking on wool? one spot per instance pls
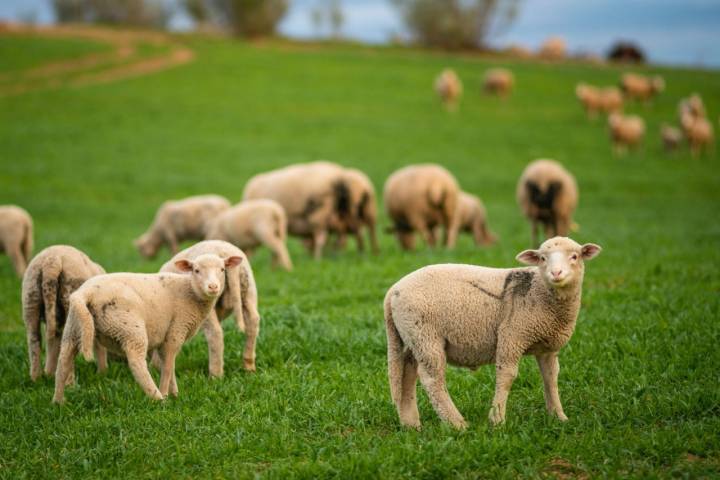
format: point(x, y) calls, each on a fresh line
point(310, 207)
point(487, 292)
point(341, 193)
point(544, 201)
point(519, 280)
point(105, 307)
point(402, 225)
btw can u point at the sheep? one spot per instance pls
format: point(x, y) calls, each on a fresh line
point(132, 313)
point(473, 219)
point(625, 131)
point(16, 236)
point(469, 316)
point(553, 48)
point(252, 223)
point(449, 88)
point(611, 100)
point(499, 81)
point(52, 275)
point(671, 137)
point(240, 297)
point(594, 100)
point(419, 198)
point(698, 131)
point(363, 210)
point(315, 197)
point(693, 105)
point(548, 195)
point(640, 87)
point(180, 220)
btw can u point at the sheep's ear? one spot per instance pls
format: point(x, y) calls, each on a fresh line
point(184, 265)
point(528, 257)
point(233, 261)
point(590, 250)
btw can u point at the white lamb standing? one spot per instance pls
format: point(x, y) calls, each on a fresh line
point(469, 316)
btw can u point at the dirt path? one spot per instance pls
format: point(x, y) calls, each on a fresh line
point(123, 61)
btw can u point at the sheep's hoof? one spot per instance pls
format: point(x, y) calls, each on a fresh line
point(459, 425)
point(58, 401)
point(496, 418)
point(249, 365)
point(561, 416)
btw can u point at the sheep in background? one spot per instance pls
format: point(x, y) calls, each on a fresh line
point(472, 217)
point(499, 81)
point(625, 132)
point(640, 87)
point(611, 100)
point(180, 220)
point(16, 236)
point(363, 211)
point(692, 105)
point(547, 195)
point(698, 131)
point(553, 48)
point(449, 88)
point(607, 100)
point(671, 137)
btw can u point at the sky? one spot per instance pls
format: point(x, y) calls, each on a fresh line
point(676, 32)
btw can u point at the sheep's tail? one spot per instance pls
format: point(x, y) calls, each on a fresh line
point(233, 286)
point(80, 318)
point(396, 362)
point(50, 291)
point(27, 245)
point(436, 195)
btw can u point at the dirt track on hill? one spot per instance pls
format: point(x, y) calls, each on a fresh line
point(123, 61)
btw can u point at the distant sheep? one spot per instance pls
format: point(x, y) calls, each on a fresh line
point(671, 137)
point(449, 88)
point(470, 316)
point(180, 220)
point(595, 100)
point(16, 236)
point(625, 132)
point(499, 81)
point(554, 48)
point(131, 314)
point(640, 87)
point(698, 131)
point(240, 297)
point(52, 275)
point(252, 223)
point(420, 198)
point(692, 105)
point(547, 195)
point(472, 217)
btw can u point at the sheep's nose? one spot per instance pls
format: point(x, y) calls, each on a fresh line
point(556, 273)
point(213, 287)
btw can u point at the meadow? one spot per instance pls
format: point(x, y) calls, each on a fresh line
point(639, 380)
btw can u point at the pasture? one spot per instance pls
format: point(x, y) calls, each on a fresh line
point(639, 380)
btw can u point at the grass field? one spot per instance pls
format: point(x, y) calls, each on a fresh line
point(639, 380)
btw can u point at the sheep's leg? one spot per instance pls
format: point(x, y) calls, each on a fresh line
point(52, 353)
point(167, 375)
point(549, 368)
point(431, 369)
point(359, 240)
point(171, 240)
point(31, 316)
point(65, 370)
point(136, 358)
point(100, 357)
point(278, 248)
point(407, 406)
point(373, 237)
point(319, 239)
point(407, 240)
point(534, 233)
point(214, 336)
point(252, 329)
point(506, 370)
point(18, 260)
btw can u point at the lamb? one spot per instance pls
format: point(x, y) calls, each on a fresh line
point(640, 87)
point(252, 223)
point(693, 105)
point(51, 277)
point(240, 297)
point(132, 313)
point(473, 219)
point(419, 198)
point(625, 131)
point(594, 100)
point(469, 316)
point(671, 137)
point(315, 197)
point(363, 210)
point(548, 195)
point(499, 81)
point(611, 100)
point(180, 220)
point(16, 236)
point(449, 88)
point(698, 131)
point(553, 48)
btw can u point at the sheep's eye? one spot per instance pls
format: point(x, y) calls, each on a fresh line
point(222, 270)
point(542, 258)
point(197, 271)
point(574, 256)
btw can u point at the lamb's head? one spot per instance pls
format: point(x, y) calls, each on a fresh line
point(147, 245)
point(560, 260)
point(208, 273)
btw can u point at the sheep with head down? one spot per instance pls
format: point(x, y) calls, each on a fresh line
point(449, 88)
point(698, 131)
point(499, 81)
point(362, 211)
point(626, 131)
point(16, 236)
point(468, 316)
point(641, 87)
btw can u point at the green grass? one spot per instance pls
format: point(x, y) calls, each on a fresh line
point(639, 380)
point(20, 52)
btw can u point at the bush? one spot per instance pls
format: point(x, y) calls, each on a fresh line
point(142, 13)
point(249, 18)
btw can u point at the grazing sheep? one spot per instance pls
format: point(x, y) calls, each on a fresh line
point(52, 275)
point(692, 105)
point(16, 236)
point(548, 195)
point(449, 88)
point(363, 210)
point(594, 100)
point(611, 100)
point(240, 297)
point(473, 219)
point(553, 48)
point(499, 81)
point(315, 197)
point(469, 316)
point(132, 313)
point(671, 137)
point(519, 51)
point(252, 223)
point(419, 198)
point(640, 87)
point(625, 131)
point(698, 131)
point(180, 220)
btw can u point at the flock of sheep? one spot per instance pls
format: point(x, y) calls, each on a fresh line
point(626, 131)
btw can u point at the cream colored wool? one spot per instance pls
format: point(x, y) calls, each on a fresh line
point(418, 198)
point(252, 223)
point(470, 316)
point(52, 275)
point(626, 131)
point(16, 236)
point(499, 81)
point(131, 314)
point(449, 88)
point(640, 87)
point(548, 196)
point(671, 137)
point(180, 220)
point(239, 297)
point(472, 216)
